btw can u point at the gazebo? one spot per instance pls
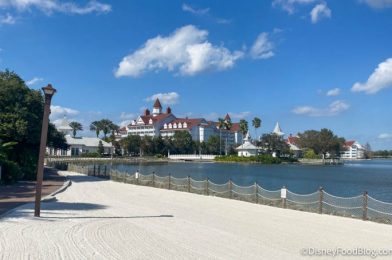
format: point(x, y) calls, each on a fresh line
point(247, 149)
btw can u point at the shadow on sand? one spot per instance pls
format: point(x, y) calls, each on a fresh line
point(109, 217)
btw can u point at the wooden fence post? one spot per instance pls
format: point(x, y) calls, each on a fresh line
point(231, 189)
point(321, 197)
point(189, 183)
point(153, 179)
point(104, 174)
point(169, 180)
point(365, 205)
point(256, 193)
point(283, 195)
point(94, 170)
point(207, 186)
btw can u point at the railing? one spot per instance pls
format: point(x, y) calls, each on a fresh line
point(361, 207)
point(191, 156)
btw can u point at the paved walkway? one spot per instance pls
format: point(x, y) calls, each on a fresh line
point(12, 196)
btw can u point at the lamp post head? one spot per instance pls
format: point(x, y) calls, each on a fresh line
point(49, 90)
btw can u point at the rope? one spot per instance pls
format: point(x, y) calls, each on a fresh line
point(344, 198)
point(258, 194)
point(242, 193)
point(197, 188)
point(218, 191)
point(179, 179)
point(382, 202)
point(243, 187)
point(197, 181)
point(224, 184)
point(160, 182)
point(302, 195)
point(341, 207)
point(390, 214)
point(179, 184)
point(303, 203)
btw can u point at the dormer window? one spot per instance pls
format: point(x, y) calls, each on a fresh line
point(185, 125)
point(165, 126)
point(175, 125)
point(179, 125)
point(150, 121)
point(170, 126)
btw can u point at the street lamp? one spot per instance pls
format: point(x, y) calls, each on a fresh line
point(49, 92)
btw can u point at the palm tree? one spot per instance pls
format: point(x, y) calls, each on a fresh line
point(96, 126)
point(256, 122)
point(106, 126)
point(221, 125)
point(227, 127)
point(243, 126)
point(76, 126)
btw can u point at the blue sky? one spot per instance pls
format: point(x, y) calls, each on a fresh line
point(308, 64)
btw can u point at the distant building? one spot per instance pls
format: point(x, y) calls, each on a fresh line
point(353, 150)
point(293, 142)
point(78, 145)
point(166, 124)
point(277, 130)
point(247, 149)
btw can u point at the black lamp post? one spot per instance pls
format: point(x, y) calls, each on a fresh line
point(49, 92)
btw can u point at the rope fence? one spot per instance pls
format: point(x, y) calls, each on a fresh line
point(361, 207)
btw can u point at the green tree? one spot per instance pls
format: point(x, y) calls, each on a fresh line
point(131, 144)
point(56, 139)
point(310, 154)
point(183, 142)
point(243, 127)
point(368, 151)
point(21, 111)
point(96, 127)
point(101, 150)
point(76, 126)
point(213, 144)
point(256, 122)
point(274, 144)
point(221, 125)
point(321, 142)
point(106, 126)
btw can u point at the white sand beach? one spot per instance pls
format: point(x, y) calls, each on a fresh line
point(98, 219)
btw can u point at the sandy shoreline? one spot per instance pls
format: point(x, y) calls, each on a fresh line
point(96, 219)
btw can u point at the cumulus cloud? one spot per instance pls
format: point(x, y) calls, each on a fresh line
point(333, 92)
point(262, 48)
point(320, 11)
point(186, 51)
point(380, 79)
point(190, 9)
point(385, 136)
point(378, 4)
point(33, 81)
point(50, 6)
point(335, 108)
point(7, 19)
point(289, 5)
point(169, 98)
point(59, 112)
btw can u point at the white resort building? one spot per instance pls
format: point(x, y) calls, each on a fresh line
point(353, 150)
point(166, 124)
point(78, 145)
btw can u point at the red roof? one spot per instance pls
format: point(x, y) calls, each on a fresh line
point(292, 140)
point(155, 119)
point(190, 122)
point(349, 143)
point(235, 127)
point(157, 104)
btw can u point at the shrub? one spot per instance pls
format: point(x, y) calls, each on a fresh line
point(10, 171)
point(90, 155)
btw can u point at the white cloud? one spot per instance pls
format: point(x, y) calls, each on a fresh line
point(380, 79)
point(125, 115)
point(320, 11)
point(333, 92)
point(378, 4)
point(169, 98)
point(186, 50)
point(124, 123)
point(240, 115)
point(262, 48)
point(50, 6)
point(188, 8)
point(59, 112)
point(289, 5)
point(7, 19)
point(335, 108)
point(33, 81)
point(385, 136)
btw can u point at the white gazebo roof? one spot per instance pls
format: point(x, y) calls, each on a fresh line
point(247, 146)
point(64, 125)
point(277, 130)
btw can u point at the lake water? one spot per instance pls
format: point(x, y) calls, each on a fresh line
point(350, 179)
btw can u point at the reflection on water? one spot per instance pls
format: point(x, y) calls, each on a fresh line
point(351, 179)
